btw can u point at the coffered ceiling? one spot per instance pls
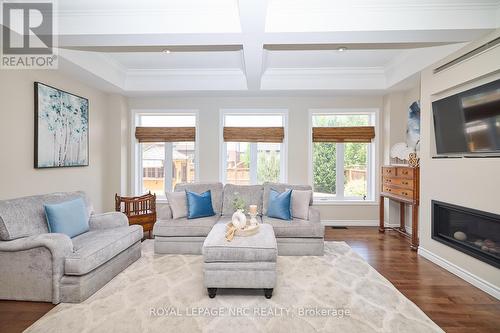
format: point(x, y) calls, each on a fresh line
point(158, 47)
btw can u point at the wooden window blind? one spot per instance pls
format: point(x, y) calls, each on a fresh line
point(254, 134)
point(165, 134)
point(343, 134)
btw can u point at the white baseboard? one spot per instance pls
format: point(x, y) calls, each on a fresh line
point(461, 273)
point(407, 228)
point(350, 223)
point(359, 223)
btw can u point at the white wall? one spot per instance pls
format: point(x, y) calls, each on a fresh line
point(17, 174)
point(473, 183)
point(298, 137)
point(117, 170)
point(396, 105)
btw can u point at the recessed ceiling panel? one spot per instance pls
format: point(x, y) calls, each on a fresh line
point(178, 60)
point(330, 58)
point(371, 15)
point(148, 16)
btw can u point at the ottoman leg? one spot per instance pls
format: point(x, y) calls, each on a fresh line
point(212, 292)
point(268, 293)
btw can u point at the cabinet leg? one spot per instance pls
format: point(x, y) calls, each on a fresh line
point(381, 227)
point(402, 216)
point(414, 228)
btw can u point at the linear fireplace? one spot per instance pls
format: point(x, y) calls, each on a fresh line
point(468, 230)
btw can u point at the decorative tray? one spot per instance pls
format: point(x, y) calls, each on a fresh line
point(248, 230)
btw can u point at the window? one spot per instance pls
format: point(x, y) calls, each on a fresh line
point(246, 160)
point(342, 170)
point(164, 163)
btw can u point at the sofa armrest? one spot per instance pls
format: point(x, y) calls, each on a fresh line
point(108, 220)
point(163, 211)
point(59, 245)
point(314, 215)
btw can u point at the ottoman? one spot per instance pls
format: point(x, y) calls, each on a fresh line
point(245, 262)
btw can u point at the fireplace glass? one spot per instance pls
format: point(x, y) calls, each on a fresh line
point(468, 230)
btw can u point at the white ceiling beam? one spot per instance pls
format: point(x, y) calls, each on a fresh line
point(253, 20)
point(103, 40)
point(375, 37)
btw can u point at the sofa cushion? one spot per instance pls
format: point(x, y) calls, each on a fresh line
point(178, 204)
point(96, 247)
point(279, 205)
point(251, 194)
point(184, 227)
point(256, 248)
point(70, 217)
point(300, 203)
point(23, 217)
point(295, 228)
point(199, 205)
point(215, 191)
point(280, 187)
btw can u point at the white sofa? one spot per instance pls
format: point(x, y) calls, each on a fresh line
point(183, 236)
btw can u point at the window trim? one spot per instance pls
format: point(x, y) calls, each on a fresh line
point(135, 156)
point(373, 157)
point(253, 146)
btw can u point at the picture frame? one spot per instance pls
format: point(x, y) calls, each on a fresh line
point(61, 128)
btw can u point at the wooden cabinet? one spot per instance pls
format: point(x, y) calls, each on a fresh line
point(139, 210)
point(401, 184)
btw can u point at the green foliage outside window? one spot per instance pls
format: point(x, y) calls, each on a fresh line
point(268, 167)
point(324, 167)
point(324, 156)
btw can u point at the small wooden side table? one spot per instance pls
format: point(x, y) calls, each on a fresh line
point(139, 210)
point(401, 184)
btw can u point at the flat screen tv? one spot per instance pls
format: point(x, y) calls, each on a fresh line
point(468, 123)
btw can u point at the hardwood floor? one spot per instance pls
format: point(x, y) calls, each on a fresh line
point(452, 303)
point(17, 316)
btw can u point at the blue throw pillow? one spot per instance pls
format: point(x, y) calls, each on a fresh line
point(279, 205)
point(199, 205)
point(69, 217)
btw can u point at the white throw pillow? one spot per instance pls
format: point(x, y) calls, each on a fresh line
point(300, 203)
point(178, 204)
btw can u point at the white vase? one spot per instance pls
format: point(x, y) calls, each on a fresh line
point(239, 219)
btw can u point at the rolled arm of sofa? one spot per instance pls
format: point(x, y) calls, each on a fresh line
point(108, 220)
point(314, 215)
point(59, 245)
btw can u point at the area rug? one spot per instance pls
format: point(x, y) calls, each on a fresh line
point(338, 292)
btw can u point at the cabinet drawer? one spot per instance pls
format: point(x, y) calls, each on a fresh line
point(388, 189)
point(398, 191)
point(406, 193)
point(389, 180)
point(402, 182)
point(389, 171)
point(404, 172)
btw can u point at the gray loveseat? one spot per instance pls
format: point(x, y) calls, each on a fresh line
point(40, 266)
point(183, 236)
